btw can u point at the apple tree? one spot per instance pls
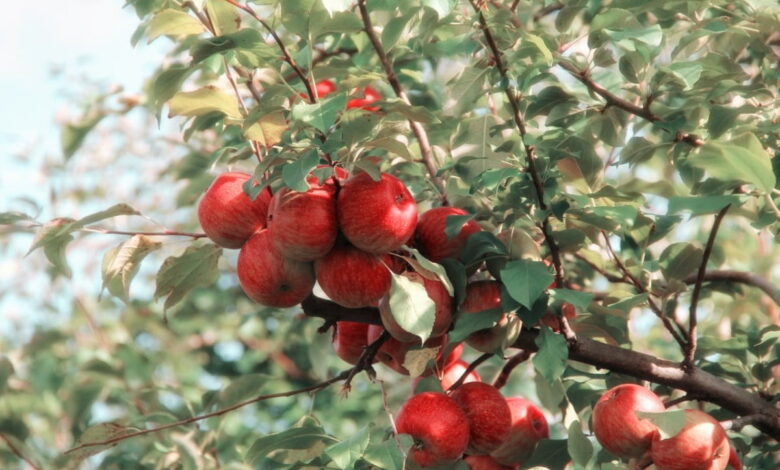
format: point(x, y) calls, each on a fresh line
point(359, 234)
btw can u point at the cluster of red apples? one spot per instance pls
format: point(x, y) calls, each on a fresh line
point(700, 444)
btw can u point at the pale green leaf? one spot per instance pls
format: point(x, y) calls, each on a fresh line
point(347, 452)
point(121, 264)
point(743, 160)
point(669, 422)
point(203, 101)
point(170, 22)
point(550, 360)
point(267, 130)
point(411, 307)
point(196, 267)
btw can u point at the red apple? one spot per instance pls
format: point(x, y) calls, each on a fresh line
point(482, 296)
point(439, 428)
point(454, 354)
point(323, 88)
point(488, 415)
point(452, 373)
point(484, 462)
point(370, 96)
point(618, 428)
point(352, 278)
point(268, 277)
point(303, 225)
point(442, 315)
point(734, 461)
point(393, 352)
point(430, 237)
point(529, 426)
point(376, 216)
point(227, 215)
point(700, 445)
point(349, 340)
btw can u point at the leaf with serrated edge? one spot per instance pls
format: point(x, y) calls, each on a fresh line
point(411, 307)
point(196, 267)
point(121, 263)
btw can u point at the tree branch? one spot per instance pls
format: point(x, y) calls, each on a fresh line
point(509, 366)
point(474, 364)
point(740, 277)
point(18, 452)
point(165, 233)
point(625, 361)
point(426, 152)
point(690, 351)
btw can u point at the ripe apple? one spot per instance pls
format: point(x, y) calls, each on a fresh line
point(323, 88)
point(303, 225)
point(430, 237)
point(618, 428)
point(438, 425)
point(484, 462)
point(452, 373)
point(488, 415)
point(734, 461)
point(351, 277)
point(482, 296)
point(529, 426)
point(370, 96)
point(227, 215)
point(442, 315)
point(376, 216)
point(349, 340)
point(393, 352)
point(269, 278)
point(701, 444)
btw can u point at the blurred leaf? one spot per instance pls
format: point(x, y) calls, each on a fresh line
point(225, 18)
point(347, 452)
point(170, 22)
point(526, 280)
point(196, 267)
point(9, 218)
point(300, 438)
point(121, 263)
point(242, 388)
point(203, 101)
point(167, 83)
point(246, 41)
point(73, 134)
point(742, 159)
point(387, 455)
point(679, 260)
point(669, 422)
point(550, 360)
point(413, 113)
point(721, 120)
point(411, 307)
point(551, 454)
point(579, 447)
point(6, 371)
point(579, 299)
point(268, 130)
point(700, 205)
point(98, 433)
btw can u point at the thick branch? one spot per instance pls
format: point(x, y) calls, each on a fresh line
point(690, 351)
point(426, 152)
point(740, 277)
point(695, 382)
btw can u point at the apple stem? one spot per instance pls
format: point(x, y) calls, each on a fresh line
point(468, 370)
point(503, 376)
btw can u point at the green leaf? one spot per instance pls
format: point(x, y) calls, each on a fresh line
point(411, 307)
point(267, 130)
point(668, 422)
point(700, 205)
point(300, 438)
point(480, 245)
point(687, 72)
point(196, 267)
point(721, 120)
point(73, 134)
point(544, 101)
point(626, 39)
point(167, 83)
point(579, 447)
point(203, 101)
point(170, 22)
point(294, 174)
point(541, 45)
point(12, 217)
point(743, 159)
point(6, 371)
point(679, 260)
point(412, 113)
point(347, 452)
point(468, 88)
point(526, 280)
point(551, 454)
point(637, 150)
point(471, 322)
point(225, 17)
point(121, 263)
point(320, 115)
point(579, 299)
point(550, 360)
point(248, 42)
point(242, 388)
point(98, 433)
point(629, 303)
point(387, 455)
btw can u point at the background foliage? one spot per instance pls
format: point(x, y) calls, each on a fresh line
point(643, 119)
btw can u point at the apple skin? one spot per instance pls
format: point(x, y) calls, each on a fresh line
point(227, 215)
point(442, 315)
point(618, 428)
point(485, 462)
point(481, 296)
point(430, 237)
point(303, 225)
point(376, 216)
point(438, 425)
point(700, 445)
point(351, 277)
point(734, 461)
point(393, 352)
point(349, 340)
point(488, 414)
point(529, 426)
point(371, 95)
point(452, 373)
point(268, 277)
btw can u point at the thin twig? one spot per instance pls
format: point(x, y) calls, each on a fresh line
point(641, 289)
point(18, 453)
point(165, 233)
point(509, 366)
point(426, 152)
point(682, 399)
point(245, 112)
point(366, 359)
point(312, 388)
point(468, 370)
point(690, 351)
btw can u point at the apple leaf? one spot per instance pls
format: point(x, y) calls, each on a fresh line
point(73, 134)
point(526, 280)
point(669, 422)
point(428, 269)
point(205, 100)
point(387, 455)
point(294, 174)
point(743, 159)
point(679, 260)
point(196, 267)
point(309, 438)
point(322, 114)
point(121, 263)
point(246, 42)
point(416, 360)
point(550, 360)
point(700, 205)
point(468, 323)
point(98, 433)
point(170, 22)
point(580, 448)
point(454, 224)
point(267, 130)
point(347, 452)
point(6, 371)
point(579, 299)
point(411, 307)
point(551, 454)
